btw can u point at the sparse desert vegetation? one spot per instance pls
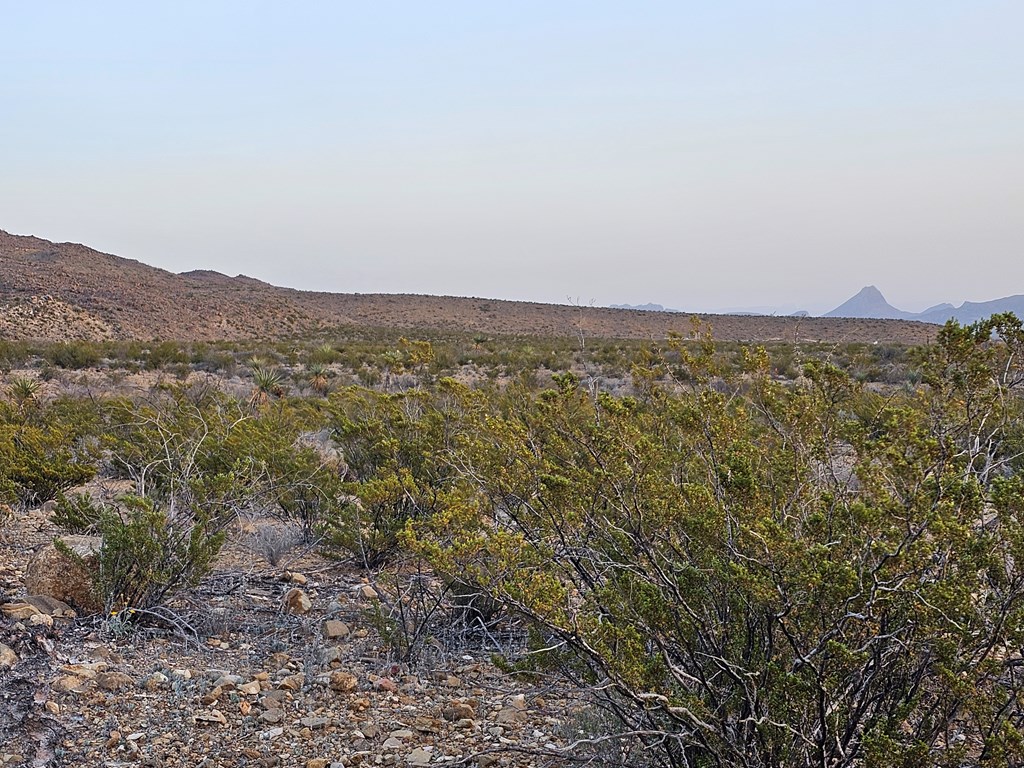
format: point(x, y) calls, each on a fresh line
point(470, 548)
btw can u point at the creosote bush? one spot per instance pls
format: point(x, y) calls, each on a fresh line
point(148, 552)
point(45, 449)
point(752, 573)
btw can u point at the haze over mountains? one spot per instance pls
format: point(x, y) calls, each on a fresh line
point(869, 303)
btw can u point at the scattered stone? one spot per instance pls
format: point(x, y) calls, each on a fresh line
point(510, 715)
point(278, 660)
point(53, 574)
point(272, 716)
point(459, 710)
point(228, 682)
point(314, 723)
point(8, 658)
point(426, 724)
point(19, 611)
point(368, 593)
point(385, 684)
point(359, 704)
point(419, 756)
point(293, 682)
point(211, 697)
point(155, 681)
point(343, 682)
point(72, 684)
point(250, 689)
point(51, 606)
point(88, 670)
point(335, 629)
point(369, 729)
point(211, 717)
point(276, 699)
point(113, 681)
point(297, 602)
point(40, 620)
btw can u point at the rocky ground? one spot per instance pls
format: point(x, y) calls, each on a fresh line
point(261, 665)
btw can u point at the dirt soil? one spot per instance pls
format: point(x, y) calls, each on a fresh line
point(231, 677)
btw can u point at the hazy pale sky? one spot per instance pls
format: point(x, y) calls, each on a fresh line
point(702, 155)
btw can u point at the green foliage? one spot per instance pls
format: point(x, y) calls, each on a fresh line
point(755, 573)
point(198, 449)
point(73, 355)
point(164, 353)
point(47, 449)
point(23, 390)
point(77, 513)
point(149, 551)
point(393, 446)
point(268, 383)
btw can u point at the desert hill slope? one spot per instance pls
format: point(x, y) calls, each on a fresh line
point(65, 290)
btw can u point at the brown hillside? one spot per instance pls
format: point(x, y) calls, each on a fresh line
point(64, 290)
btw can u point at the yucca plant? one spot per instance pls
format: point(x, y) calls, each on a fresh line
point(268, 383)
point(318, 378)
point(23, 390)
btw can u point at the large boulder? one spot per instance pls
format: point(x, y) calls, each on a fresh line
point(54, 574)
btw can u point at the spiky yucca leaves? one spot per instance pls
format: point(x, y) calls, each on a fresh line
point(268, 383)
point(317, 375)
point(23, 390)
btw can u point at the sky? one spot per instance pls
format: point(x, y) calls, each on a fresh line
point(701, 155)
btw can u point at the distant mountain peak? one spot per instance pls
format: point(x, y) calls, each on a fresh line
point(868, 302)
point(649, 307)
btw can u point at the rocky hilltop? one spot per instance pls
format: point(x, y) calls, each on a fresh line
point(65, 290)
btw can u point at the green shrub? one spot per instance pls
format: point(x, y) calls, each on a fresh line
point(747, 572)
point(393, 446)
point(73, 355)
point(77, 513)
point(46, 450)
point(148, 553)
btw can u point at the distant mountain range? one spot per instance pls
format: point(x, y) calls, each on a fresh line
point(643, 307)
point(870, 303)
point(61, 291)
